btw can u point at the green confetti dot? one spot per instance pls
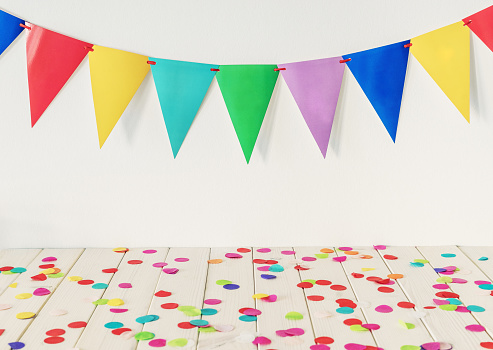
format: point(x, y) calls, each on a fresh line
point(444, 279)
point(223, 282)
point(7, 273)
point(410, 347)
point(310, 281)
point(144, 336)
point(358, 328)
point(322, 256)
point(185, 307)
point(293, 315)
point(194, 312)
point(179, 342)
point(101, 302)
point(448, 307)
point(207, 329)
point(56, 275)
point(422, 261)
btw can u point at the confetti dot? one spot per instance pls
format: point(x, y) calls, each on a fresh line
point(159, 264)
point(18, 270)
point(49, 258)
point(231, 286)
point(119, 331)
point(144, 336)
point(157, 343)
point(352, 321)
point(344, 310)
point(115, 302)
point(149, 251)
point(23, 296)
point(55, 332)
point(135, 262)
point(113, 325)
point(212, 301)
point(263, 250)
point(385, 289)
point(323, 282)
point(111, 270)
point(233, 256)
point(54, 340)
point(315, 297)
point(85, 282)
point(448, 255)
point(78, 324)
point(324, 340)
point(383, 309)
point(406, 305)
point(276, 268)
point(208, 312)
point(487, 345)
point(25, 315)
point(483, 258)
point(120, 250)
point(16, 345)
point(169, 306)
point(305, 285)
point(124, 285)
point(162, 294)
point(179, 342)
point(243, 250)
point(246, 318)
point(319, 347)
point(475, 328)
point(185, 325)
point(390, 257)
point(337, 287)
point(118, 311)
point(223, 282)
point(288, 252)
point(146, 318)
point(199, 323)
point(182, 259)
point(268, 277)
point(215, 261)
point(99, 286)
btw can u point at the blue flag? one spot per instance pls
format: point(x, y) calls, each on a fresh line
point(9, 29)
point(181, 87)
point(381, 73)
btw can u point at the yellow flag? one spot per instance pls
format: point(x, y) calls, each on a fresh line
point(444, 53)
point(115, 77)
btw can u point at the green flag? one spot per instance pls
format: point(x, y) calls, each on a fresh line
point(246, 91)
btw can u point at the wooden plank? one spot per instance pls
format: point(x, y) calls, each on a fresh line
point(187, 289)
point(74, 298)
point(470, 293)
point(333, 326)
point(15, 258)
point(143, 277)
point(239, 271)
point(391, 334)
point(289, 298)
point(14, 328)
point(418, 285)
point(474, 253)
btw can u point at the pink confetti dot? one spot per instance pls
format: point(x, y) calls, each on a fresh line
point(462, 308)
point(458, 280)
point(157, 343)
point(182, 259)
point(49, 258)
point(440, 286)
point(475, 328)
point(41, 291)
point(353, 346)
point(295, 331)
point(339, 258)
point(125, 285)
point(441, 302)
point(160, 264)
point(233, 255)
point(212, 301)
point(149, 251)
point(263, 268)
point(319, 347)
point(261, 341)
point(118, 311)
point(252, 312)
point(380, 247)
point(170, 271)
point(308, 258)
point(345, 249)
point(288, 252)
point(271, 298)
point(371, 326)
point(383, 309)
point(482, 282)
point(263, 250)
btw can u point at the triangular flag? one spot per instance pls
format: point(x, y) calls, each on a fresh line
point(115, 77)
point(381, 73)
point(181, 87)
point(482, 25)
point(51, 59)
point(444, 54)
point(315, 86)
point(247, 90)
point(9, 28)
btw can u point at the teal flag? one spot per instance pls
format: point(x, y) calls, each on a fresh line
point(181, 87)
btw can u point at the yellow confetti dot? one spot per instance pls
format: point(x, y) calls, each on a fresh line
point(74, 278)
point(326, 250)
point(260, 296)
point(215, 261)
point(23, 296)
point(120, 250)
point(48, 271)
point(367, 268)
point(351, 252)
point(13, 285)
point(25, 315)
point(395, 276)
point(115, 302)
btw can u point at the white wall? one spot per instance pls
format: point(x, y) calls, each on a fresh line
point(58, 189)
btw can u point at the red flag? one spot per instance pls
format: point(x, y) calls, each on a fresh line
point(482, 25)
point(51, 59)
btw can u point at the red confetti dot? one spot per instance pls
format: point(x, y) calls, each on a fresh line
point(390, 257)
point(373, 279)
point(6, 268)
point(351, 321)
point(243, 309)
point(383, 281)
point(385, 289)
point(337, 287)
point(185, 325)
point(271, 262)
point(323, 282)
point(447, 295)
point(54, 340)
point(429, 307)
point(346, 303)
point(324, 340)
point(119, 331)
point(169, 306)
point(40, 277)
point(315, 297)
point(162, 294)
point(301, 268)
point(55, 332)
point(85, 282)
point(305, 285)
point(259, 261)
point(135, 262)
point(487, 345)
point(46, 266)
point(78, 324)
point(1, 331)
point(243, 250)
point(357, 275)
point(406, 305)
point(112, 270)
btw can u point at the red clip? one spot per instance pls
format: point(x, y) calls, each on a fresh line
point(344, 61)
point(408, 45)
point(151, 62)
point(24, 26)
point(466, 24)
point(278, 69)
point(88, 48)
point(214, 70)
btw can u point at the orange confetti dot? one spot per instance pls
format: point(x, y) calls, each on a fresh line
point(366, 256)
point(351, 252)
point(395, 276)
point(215, 261)
point(326, 250)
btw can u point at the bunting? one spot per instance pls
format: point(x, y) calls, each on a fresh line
point(482, 25)
point(381, 73)
point(9, 28)
point(115, 77)
point(52, 58)
point(181, 87)
point(247, 90)
point(444, 54)
point(315, 86)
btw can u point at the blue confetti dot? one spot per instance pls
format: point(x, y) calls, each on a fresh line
point(16, 345)
point(486, 286)
point(345, 310)
point(99, 286)
point(18, 270)
point(475, 308)
point(208, 312)
point(113, 325)
point(231, 286)
point(247, 318)
point(454, 301)
point(146, 318)
point(483, 258)
point(199, 322)
point(417, 264)
point(276, 268)
point(439, 269)
point(448, 255)
point(268, 277)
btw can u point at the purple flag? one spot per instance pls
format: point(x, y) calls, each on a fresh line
point(315, 86)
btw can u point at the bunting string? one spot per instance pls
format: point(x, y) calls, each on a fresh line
point(247, 89)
